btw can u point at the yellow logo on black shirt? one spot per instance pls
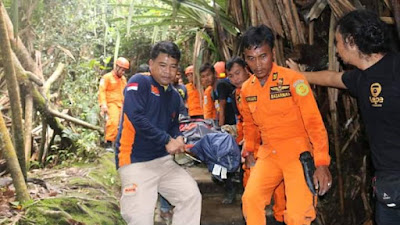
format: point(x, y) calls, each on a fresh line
point(375, 100)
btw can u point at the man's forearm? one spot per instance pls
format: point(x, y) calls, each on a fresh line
point(327, 78)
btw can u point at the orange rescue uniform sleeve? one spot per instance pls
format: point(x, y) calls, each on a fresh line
point(102, 90)
point(208, 105)
point(250, 129)
point(313, 123)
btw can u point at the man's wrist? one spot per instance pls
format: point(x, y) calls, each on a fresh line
point(167, 139)
point(247, 153)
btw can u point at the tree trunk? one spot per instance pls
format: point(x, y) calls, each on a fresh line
point(43, 141)
point(8, 152)
point(13, 92)
point(19, 48)
point(28, 124)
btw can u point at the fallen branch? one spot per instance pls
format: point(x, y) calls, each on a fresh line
point(55, 214)
point(53, 77)
point(74, 120)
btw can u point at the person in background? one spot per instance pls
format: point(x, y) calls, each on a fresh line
point(208, 81)
point(143, 69)
point(222, 100)
point(179, 86)
point(363, 40)
point(195, 109)
point(222, 94)
point(111, 99)
point(181, 89)
point(147, 138)
point(237, 72)
point(278, 103)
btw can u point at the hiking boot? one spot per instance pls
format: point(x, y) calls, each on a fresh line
point(230, 195)
point(109, 146)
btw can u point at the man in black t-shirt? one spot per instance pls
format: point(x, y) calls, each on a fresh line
point(226, 112)
point(362, 41)
point(222, 94)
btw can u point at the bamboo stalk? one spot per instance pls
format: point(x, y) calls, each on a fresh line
point(311, 33)
point(253, 13)
point(333, 94)
point(281, 10)
point(396, 13)
point(298, 25)
point(367, 207)
point(279, 56)
point(269, 9)
point(290, 20)
point(262, 14)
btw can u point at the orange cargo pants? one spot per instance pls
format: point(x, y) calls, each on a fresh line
point(114, 113)
point(268, 173)
point(279, 196)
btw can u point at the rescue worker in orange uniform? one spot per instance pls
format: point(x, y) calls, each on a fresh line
point(208, 80)
point(111, 99)
point(237, 73)
point(194, 106)
point(280, 103)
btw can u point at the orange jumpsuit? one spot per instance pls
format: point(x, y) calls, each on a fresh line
point(279, 193)
point(208, 104)
point(111, 93)
point(193, 100)
point(286, 114)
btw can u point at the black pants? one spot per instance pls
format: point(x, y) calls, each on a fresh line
point(385, 215)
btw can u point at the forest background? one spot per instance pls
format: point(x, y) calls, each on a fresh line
point(54, 52)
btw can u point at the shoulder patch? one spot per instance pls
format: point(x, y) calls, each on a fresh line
point(301, 88)
point(251, 99)
point(274, 76)
point(132, 87)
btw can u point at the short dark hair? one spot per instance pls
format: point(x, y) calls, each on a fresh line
point(254, 37)
point(167, 47)
point(366, 30)
point(232, 61)
point(143, 68)
point(207, 66)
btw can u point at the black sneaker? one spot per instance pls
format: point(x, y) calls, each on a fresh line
point(109, 146)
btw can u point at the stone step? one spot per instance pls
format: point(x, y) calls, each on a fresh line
point(213, 211)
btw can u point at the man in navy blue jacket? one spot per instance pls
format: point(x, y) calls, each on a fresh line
point(148, 137)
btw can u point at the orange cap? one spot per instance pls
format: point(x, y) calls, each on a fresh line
point(189, 69)
point(220, 69)
point(122, 62)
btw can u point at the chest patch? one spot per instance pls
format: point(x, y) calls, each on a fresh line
point(281, 91)
point(155, 91)
point(251, 99)
point(376, 90)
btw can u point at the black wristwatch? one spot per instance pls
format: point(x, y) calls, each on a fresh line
point(167, 140)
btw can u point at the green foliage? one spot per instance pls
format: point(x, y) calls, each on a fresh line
point(84, 35)
point(87, 196)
